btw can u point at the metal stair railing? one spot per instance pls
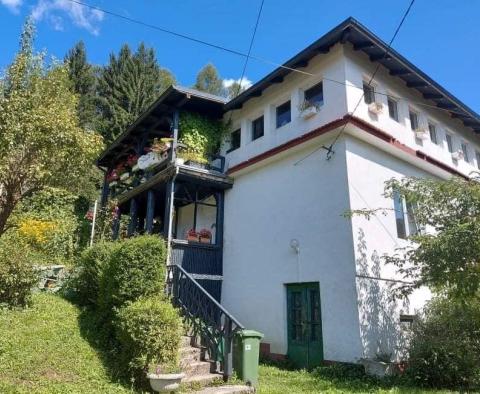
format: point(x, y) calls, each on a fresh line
point(204, 315)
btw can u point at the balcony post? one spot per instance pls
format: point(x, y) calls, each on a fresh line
point(175, 122)
point(150, 211)
point(219, 197)
point(132, 226)
point(105, 191)
point(116, 224)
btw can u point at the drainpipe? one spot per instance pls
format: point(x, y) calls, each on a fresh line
point(170, 212)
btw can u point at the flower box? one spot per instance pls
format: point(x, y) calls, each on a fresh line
point(196, 164)
point(151, 159)
point(376, 368)
point(421, 134)
point(192, 238)
point(205, 240)
point(309, 112)
point(165, 383)
point(205, 236)
point(458, 155)
point(375, 108)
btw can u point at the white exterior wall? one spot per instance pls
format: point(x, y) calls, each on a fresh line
point(359, 68)
point(368, 169)
point(264, 211)
point(330, 66)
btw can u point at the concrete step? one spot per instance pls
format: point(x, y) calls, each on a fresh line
point(198, 368)
point(186, 341)
point(199, 381)
point(191, 354)
point(228, 389)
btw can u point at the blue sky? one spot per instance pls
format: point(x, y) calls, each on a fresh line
point(439, 36)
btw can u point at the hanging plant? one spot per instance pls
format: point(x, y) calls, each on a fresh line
point(202, 136)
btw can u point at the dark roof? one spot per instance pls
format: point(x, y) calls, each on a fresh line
point(155, 121)
point(364, 40)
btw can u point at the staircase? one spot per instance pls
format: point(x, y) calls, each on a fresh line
point(201, 373)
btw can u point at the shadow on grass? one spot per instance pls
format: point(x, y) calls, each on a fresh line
point(98, 333)
point(345, 378)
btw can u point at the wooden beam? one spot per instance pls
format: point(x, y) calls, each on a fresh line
point(400, 71)
point(446, 106)
point(417, 84)
point(363, 45)
point(150, 211)
point(376, 58)
point(432, 96)
point(277, 79)
point(132, 226)
point(301, 64)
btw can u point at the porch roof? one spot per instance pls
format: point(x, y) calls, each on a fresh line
point(156, 120)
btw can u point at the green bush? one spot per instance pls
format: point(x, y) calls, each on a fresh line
point(17, 275)
point(90, 266)
point(135, 269)
point(445, 346)
point(149, 332)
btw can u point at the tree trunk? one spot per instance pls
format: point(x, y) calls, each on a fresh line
point(9, 197)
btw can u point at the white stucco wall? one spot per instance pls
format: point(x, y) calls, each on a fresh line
point(368, 169)
point(359, 68)
point(329, 66)
point(265, 210)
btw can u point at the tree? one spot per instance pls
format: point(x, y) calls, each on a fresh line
point(128, 85)
point(208, 80)
point(83, 79)
point(41, 142)
point(445, 256)
point(234, 90)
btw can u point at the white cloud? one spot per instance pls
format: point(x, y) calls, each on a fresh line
point(81, 16)
point(246, 83)
point(12, 5)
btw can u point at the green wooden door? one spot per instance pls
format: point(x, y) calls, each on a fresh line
point(305, 346)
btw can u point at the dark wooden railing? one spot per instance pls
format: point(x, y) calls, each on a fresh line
point(197, 258)
point(204, 316)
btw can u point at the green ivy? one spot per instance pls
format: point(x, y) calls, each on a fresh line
point(202, 136)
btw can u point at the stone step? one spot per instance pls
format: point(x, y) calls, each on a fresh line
point(191, 354)
point(199, 381)
point(198, 368)
point(228, 389)
point(186, 341)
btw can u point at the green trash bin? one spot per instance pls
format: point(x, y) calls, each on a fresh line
point(246, 349)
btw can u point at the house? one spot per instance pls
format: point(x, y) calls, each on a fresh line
point(312, 140)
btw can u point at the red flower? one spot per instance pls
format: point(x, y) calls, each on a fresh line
point(205, 233)
point(192, 233)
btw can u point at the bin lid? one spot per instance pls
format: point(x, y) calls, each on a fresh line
point(250, 334)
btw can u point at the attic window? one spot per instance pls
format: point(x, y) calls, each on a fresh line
point(284, 114)
point(407, 320)
point(368, 93)
point(235, 140)
point(314, 95)
point(257, 128)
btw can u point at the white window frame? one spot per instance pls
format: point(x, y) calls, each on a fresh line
point(435, 132)
point(451, 148)
point(395, 101)
point(465, 150)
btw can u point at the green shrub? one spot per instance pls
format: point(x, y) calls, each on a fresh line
point(90, 266)
point(135, 269)
point(149, 332)
point(445, 346)
point(17, 275)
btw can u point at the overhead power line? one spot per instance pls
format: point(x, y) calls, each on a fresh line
point(246, 55)
point(329, 148)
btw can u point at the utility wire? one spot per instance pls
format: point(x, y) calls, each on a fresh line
point(329, 148)
point(239, 89)
point(248, 56)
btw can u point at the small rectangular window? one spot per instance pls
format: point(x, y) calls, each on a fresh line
point(407, 321)
point(466, 157)
point(284, 114)
point(392, 109)
point(413, 227)
point(433, 133)
point(257, 128)
point(413, 120)
point(477, 156)
point(314, 95)
point(399, 215)
point(235, 140)
point(368, 93)
point(449, 143)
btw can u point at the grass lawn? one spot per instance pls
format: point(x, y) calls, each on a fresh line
point(277, 380)
point(42, 351)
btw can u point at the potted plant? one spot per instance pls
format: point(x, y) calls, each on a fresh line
point(307, 109)
point(205, 236)
point(165, 378)
point(192, 235)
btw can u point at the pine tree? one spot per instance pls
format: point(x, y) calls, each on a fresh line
point(208, 80)
point(127, 86)
point(83, 78)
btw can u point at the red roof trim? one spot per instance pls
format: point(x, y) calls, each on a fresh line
point(365, 126)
